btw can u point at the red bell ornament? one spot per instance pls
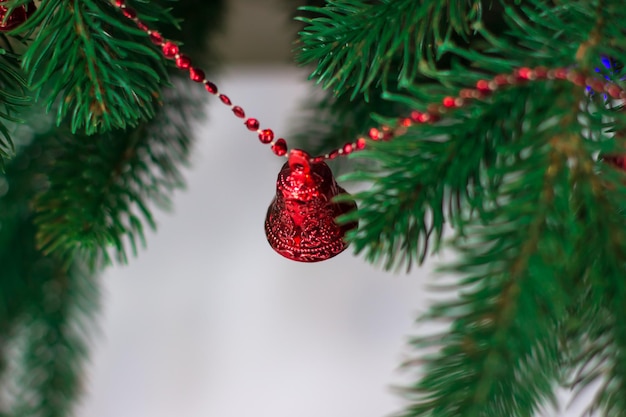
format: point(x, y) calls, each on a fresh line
point(300, 223)
point(18, 15)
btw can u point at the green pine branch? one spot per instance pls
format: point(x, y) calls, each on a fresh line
point(355, 44)
point(94, 67)
point(500, 356)
point(122, 175)
point(13, 99)
point(40, 301)
point(436, 174)
point(56, 331)
point(595, 339)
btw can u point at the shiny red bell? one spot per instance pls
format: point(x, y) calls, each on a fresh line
point(300, 223)
point(18, 16)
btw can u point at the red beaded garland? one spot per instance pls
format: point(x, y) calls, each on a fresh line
point(483, 88)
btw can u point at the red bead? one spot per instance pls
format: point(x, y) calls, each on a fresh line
point(279, 147)
point(239, 112)
point(120, 3)
point(415, 116)
point(374, 133)
point(424, 118)
point(614, 90)
point(210, 87)
point(318, 159)
point(333, 154)
point(183, 61)
point(252, 124)
point(170, 49)
point(196, 74)
point(225, 99)
point(525, 73)
point(576, 78)
point(266, 136)
point(596, 84)
point(406, 122)
point(129, 12)
point(449, 102)
point(141, 25)
point(501, 79)
point(466, 93)
point(156, 38)
point(541, 73)
point(347, 149)
point(360, 143)
point(483, 86)
point(560, 73)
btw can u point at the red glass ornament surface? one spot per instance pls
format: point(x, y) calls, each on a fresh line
point(300, 223)
point(17, 16)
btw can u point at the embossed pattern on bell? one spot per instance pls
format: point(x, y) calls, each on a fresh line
point(300, 223)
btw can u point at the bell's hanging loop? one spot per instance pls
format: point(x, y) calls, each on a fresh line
point(300, 222)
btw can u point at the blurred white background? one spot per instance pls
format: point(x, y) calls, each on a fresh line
point(209, 321)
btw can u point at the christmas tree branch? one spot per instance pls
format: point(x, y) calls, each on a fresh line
point(98, 71)
point(36, 295)
point(355, 43)
point(13, 99)
point(597, 344)
point(123, 172)
point(500, 356)
point(55, 348)
point(435, 174)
